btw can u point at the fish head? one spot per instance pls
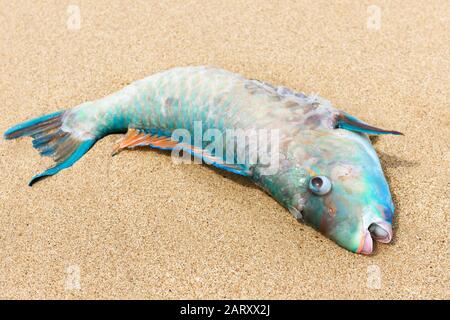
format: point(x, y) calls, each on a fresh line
point(344, 193)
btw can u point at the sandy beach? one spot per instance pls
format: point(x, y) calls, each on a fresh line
point(138, 226)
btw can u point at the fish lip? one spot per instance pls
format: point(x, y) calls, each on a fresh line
point(366, 246)
point(373, 232)
point(381, 231)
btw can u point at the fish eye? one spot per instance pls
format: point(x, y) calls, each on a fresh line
point(320, 185)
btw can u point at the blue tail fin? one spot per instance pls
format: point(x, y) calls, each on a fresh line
point(51, 141)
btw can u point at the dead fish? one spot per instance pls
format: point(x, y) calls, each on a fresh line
point(326, 172)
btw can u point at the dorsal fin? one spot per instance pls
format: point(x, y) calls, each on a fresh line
point(345, 121)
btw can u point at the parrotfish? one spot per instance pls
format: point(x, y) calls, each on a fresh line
point(327, 173)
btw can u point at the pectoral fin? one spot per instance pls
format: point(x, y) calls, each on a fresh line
point(348, 122)
point(140, 138)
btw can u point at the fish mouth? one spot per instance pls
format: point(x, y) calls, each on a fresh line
point(380, 231)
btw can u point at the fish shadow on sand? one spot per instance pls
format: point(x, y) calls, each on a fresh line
point(244, 181)
point(392, 161)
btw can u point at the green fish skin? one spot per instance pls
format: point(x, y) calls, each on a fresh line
point(326, 172)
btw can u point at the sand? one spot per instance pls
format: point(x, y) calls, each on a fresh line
point(138, 226)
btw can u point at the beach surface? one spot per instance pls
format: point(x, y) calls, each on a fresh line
point(139, 226)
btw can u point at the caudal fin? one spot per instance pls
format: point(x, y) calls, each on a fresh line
point(51, 141)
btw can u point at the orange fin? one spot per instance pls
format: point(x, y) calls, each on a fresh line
point(137, 138)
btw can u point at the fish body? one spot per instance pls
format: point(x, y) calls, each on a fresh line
point(317, 161)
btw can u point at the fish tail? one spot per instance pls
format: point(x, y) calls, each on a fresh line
point(51, 140)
